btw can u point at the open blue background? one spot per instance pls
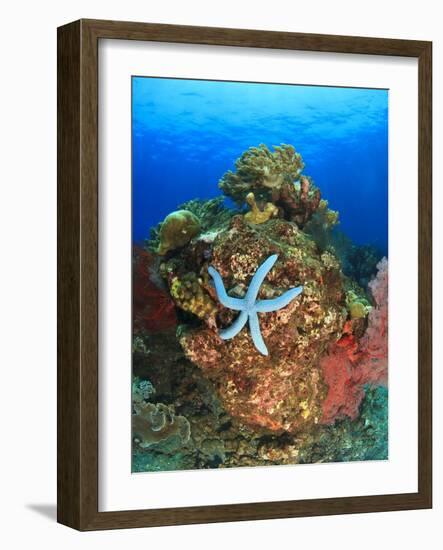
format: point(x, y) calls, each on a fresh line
point(187, 133)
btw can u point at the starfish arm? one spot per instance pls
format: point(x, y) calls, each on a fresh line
point(235, 328)
point(236, 304)
point(257, 338)
point(266, 306)
point(258, 279)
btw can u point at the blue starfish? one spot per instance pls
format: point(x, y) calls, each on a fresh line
point(249, 306)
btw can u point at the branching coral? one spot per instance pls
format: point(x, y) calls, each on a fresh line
point(273, 177)
point(260, 169)
point(154, 423)
point(339, 372)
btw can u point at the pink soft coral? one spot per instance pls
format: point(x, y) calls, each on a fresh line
point(350, 365)
point(374, 343)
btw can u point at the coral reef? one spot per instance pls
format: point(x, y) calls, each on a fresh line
point(361, 263)
point(176, 230)
point(305, 381)
point(142, 390)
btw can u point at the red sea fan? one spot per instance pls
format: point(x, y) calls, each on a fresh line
point(350, 365)
point(153, 308)
point(344, 393)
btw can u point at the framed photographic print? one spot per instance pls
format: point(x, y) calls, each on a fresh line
point(244, 280)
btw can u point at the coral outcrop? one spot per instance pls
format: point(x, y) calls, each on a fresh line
point(283, 391)
point(176, 230)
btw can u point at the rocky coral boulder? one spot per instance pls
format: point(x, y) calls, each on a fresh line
point(285, 390)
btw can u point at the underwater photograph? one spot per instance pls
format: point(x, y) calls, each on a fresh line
point(259, 274)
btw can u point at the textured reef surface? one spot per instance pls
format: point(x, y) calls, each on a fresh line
point(320, 393)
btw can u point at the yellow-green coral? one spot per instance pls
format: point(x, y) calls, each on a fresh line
point(259, 168)
point(257, 216)
point(190, 296)
point(328, 217)
point(358, 306)
point(177, 229)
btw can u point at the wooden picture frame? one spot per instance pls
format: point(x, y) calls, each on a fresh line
point(78, 274)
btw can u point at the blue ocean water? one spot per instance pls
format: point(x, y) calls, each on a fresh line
point(188, 133)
